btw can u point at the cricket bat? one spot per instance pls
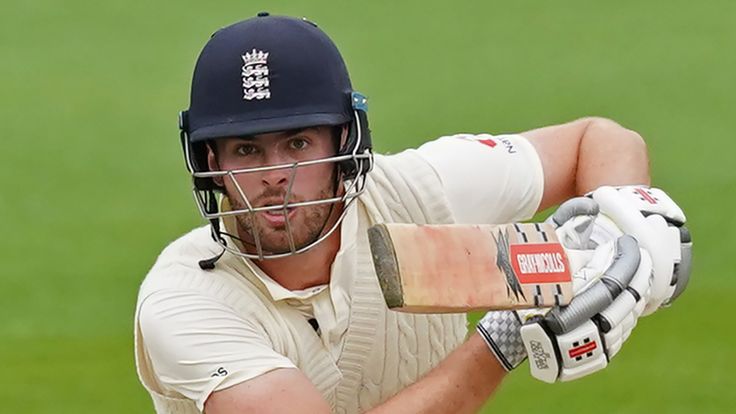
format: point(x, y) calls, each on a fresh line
point(460, 268)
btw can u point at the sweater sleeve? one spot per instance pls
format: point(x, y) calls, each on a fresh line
point(199, 345)
point(487, 179)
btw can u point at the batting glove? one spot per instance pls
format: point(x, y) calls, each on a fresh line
point(611, 286)
point(658, 224)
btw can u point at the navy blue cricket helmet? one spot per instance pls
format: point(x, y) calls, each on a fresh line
point(268, 74)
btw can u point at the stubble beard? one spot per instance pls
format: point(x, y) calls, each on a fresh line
point(306, 226)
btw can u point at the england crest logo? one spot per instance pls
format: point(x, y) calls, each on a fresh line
point(255, 75)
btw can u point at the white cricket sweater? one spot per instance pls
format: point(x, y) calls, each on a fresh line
point(201, 331)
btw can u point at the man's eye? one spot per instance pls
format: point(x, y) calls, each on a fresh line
point(246, 149)
point(298, 143)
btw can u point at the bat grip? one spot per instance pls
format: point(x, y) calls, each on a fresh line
point(599, 296)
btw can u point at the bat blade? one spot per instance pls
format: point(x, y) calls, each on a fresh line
point(461, 268)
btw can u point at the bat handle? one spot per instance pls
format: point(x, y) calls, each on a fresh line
point(602, 293)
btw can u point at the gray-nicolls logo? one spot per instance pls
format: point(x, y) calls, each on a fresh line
point(538, 355)
point(255, 75)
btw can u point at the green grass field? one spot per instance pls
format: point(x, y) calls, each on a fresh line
point(94, 184)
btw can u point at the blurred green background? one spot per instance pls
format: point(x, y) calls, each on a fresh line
point(94, 184)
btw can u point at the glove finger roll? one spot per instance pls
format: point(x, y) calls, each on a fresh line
point(579, 206)
point(619, 309)
point(599, 296)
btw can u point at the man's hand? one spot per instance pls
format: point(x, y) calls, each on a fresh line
point(611, 284)
point(658, 224)
point(576, 340)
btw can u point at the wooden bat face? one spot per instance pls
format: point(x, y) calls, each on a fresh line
point(460, 268)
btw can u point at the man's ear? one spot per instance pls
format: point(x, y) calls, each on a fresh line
point(212, 164)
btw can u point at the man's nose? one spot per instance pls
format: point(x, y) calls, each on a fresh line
point(280, 176)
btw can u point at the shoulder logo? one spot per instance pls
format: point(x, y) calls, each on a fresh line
point(490, 141)
point(255, 75)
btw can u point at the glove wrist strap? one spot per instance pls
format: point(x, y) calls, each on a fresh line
point(501, 332)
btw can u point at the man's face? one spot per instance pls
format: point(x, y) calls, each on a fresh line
point(269, 188)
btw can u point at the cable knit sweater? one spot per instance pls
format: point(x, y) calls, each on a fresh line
point(380, 353)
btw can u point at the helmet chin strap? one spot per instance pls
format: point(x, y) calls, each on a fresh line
point(209, 264)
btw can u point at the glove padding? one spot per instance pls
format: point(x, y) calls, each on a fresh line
point(611, 286)
point(579, 339)
point(658, 224)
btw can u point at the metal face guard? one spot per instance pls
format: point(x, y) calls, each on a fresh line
point(210, 210)
point(354, 162)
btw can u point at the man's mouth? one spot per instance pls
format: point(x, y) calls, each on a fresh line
point(278, 217)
